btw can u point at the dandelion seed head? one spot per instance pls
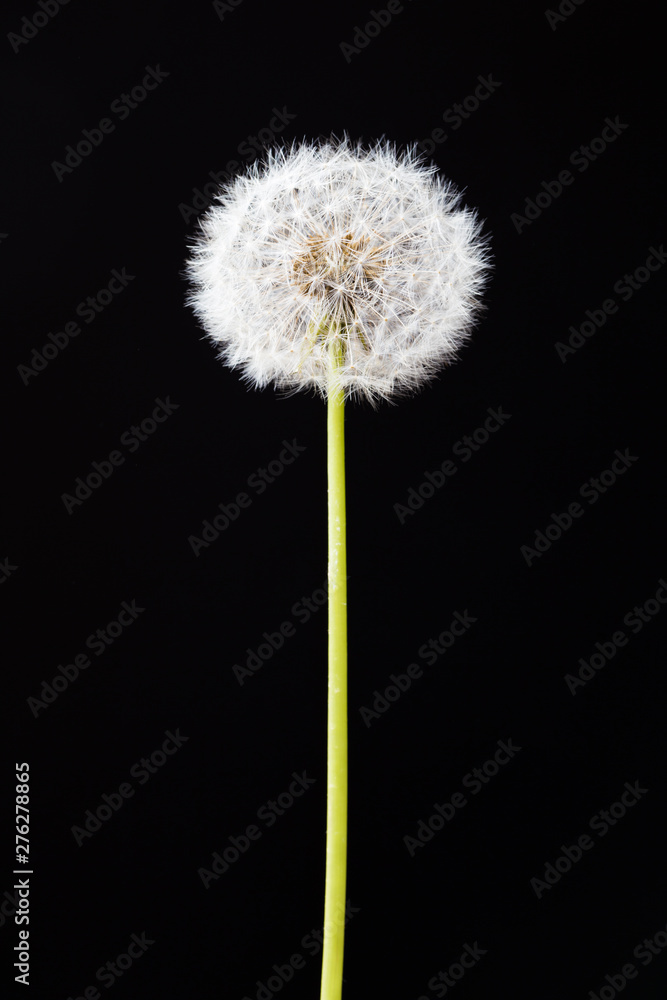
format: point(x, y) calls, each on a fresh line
point(329, 240)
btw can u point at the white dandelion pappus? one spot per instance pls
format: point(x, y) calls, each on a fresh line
point(326, 240)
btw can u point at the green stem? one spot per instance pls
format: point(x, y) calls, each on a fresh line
point(336, 855)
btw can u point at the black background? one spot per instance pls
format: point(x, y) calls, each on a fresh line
point(129, 204)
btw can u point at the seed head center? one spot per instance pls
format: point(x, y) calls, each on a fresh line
point(343, 267)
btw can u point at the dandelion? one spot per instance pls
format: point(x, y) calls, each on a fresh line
point(352, 272)
point(328, 241)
